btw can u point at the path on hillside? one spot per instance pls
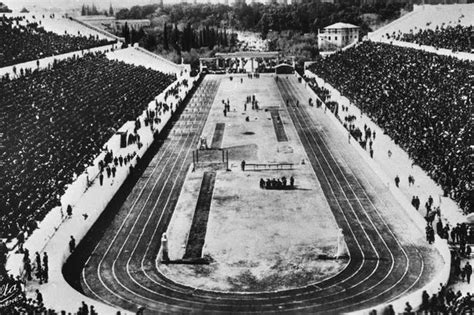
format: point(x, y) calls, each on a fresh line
point(121, 269)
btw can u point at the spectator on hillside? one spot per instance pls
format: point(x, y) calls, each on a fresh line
point(20, 241)
point(69, 211)
point(39, 297)
point(421, 100)
point(72, 244)
point(455, 38)
point(468, 272)
point(24, 40)
point(39, 268)
point(446, 302)
point(408, 308)
point(3, 256)
point(57, 121)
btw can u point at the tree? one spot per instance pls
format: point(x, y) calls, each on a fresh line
point(111, 10)
point(134, 36)
point(122, 14)
point(201, 38)
point(233, 40)
point(126, 33)
point(187, 38)
point(264, 25)
point(149, 42)
point(94, 10)
point(141, 34)
point(165, 38)
point(83, 10)
point(174, 37)
point(226, 41)
point(136, 12)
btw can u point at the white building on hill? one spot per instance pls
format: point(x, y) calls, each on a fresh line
point(337, 36)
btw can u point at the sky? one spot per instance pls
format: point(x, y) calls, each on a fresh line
point(71, 4)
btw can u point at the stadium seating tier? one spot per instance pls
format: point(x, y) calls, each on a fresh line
point(23, 41)
point(423, 101)
point(56, 122)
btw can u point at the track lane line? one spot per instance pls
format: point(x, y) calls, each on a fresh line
point(380, 216)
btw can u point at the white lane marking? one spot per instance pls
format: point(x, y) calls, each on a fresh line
point(168, 144)
point(113, 241)
point(385, 223)
point(390, 230)
point(339, 206)
point(188, 150)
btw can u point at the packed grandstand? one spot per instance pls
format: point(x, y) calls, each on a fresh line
point(422, 101)
point(455, 38)
point(28, 40)
point(57, 120)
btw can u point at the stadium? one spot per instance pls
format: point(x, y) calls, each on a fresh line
point(250, 180)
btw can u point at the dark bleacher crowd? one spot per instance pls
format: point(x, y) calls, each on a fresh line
point(423, 101)
point(56, 122)
point(18, 303)
point(446, 301)
point(20, 43)
point(455, 38)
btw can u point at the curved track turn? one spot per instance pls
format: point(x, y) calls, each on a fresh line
point(121, 268)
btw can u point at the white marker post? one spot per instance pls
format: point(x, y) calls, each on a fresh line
point(164, 248)
point(341, 245)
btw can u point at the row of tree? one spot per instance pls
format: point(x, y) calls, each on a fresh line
point(180, 40)
point(92, 10)
point(202, 29)
point(4, 8)
point(137, 12)
point(190, 38)
point(305, 17)
point(131, 35)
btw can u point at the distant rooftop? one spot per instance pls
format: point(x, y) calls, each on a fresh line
point(340, 25)
point(249, 54)
point(95, 17)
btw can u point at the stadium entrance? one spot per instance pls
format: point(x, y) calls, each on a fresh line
point(284, 69)
point(248, 62)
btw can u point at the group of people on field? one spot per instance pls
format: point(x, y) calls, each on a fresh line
point(280, 183)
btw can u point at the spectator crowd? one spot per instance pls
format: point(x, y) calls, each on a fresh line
point(423, 101)
point(446, 301)
point(455, 38)
point(24, 40)
point(56, 122)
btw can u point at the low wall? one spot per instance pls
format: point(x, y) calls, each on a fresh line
point(379, 33)
point(88, 199)
point(98, 30)
point(178, 67)
point(441, 245)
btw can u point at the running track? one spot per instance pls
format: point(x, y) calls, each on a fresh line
point(121, 268)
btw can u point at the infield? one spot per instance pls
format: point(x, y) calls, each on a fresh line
point(256, 239)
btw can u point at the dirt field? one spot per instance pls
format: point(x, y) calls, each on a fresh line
point(257, 239)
